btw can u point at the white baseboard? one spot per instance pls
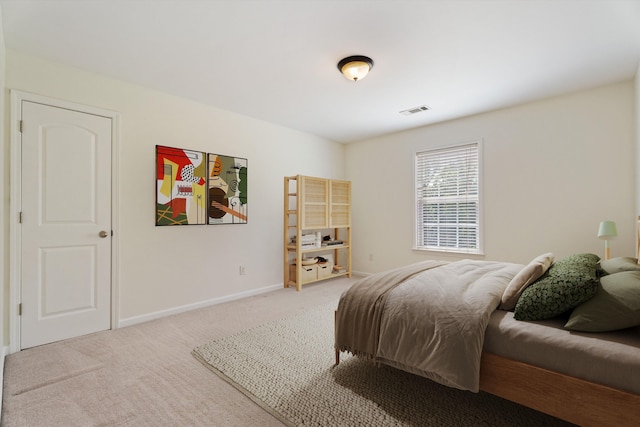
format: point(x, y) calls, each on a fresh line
point(163, 313)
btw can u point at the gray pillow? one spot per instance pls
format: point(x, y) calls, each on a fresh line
point(568, 283)
point(616, 265)
point(616, 305)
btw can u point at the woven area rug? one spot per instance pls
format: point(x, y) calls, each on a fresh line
point(287, 367)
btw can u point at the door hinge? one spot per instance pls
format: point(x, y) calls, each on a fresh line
point(20, 125)
point(20, 309)
point(20, 217)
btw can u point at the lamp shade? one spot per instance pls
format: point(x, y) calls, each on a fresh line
point(607, 230)
point(355, 67)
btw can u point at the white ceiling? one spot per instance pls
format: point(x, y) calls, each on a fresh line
point(276, 60)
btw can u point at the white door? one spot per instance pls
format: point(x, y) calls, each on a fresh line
point(66, 224)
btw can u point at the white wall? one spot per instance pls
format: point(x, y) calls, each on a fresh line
point(164, 268)
point(553, 170)
point(4, 183)
point(637, 116)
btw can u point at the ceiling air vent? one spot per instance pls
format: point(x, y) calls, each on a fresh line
point(414, 110)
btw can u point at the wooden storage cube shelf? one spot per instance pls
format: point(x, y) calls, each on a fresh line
point(316, 205)
point(309, 273)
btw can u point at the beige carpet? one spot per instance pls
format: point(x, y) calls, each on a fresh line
point(287, 366)
point(144, 375)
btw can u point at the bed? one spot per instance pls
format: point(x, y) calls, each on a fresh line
point(549, 335)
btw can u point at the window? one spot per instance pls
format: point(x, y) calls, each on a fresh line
point(448, 199)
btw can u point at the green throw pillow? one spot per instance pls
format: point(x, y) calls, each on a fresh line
point(616, 305)
point(616, 265)
point(568, 283)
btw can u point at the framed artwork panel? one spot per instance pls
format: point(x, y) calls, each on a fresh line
point(181, 183)
point(227, 201)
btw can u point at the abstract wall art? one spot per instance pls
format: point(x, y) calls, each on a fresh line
point(193, 187)
point(227, 189)
point(181, 180)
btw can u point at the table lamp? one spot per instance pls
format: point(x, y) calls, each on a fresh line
point(606, 231)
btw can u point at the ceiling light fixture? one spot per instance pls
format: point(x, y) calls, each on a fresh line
point(355, 67)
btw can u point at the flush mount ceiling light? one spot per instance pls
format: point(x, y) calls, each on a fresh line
point(355, 67)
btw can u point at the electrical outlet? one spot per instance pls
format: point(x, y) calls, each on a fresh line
point(370, 257)
point(243, 271)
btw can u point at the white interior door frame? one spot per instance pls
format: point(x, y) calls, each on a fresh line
point(15, 206)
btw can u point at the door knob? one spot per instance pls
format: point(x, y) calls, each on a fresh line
point(103, 234)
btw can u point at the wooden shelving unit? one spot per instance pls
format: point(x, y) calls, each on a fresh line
point(315, 205)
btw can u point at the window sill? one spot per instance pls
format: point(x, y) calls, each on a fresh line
point(451, 253)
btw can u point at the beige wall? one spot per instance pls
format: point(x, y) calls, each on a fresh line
point(4, 191)
point(552, 171)
point(637, 116)
point(168, 268)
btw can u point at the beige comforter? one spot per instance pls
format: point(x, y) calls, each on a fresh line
point(428, 318)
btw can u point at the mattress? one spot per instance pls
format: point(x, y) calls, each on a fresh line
point(611, 358)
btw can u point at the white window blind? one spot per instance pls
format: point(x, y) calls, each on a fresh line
point(448, 199)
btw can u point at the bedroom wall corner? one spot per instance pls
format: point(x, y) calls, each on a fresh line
point(163, 269)
point(4, 210)
point(552, 170)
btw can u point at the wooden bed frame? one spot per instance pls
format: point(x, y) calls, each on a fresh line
point(569, 398)
point(572, 399)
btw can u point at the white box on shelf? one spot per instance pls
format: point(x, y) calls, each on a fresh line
point(308, 273)
point(324, 270)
